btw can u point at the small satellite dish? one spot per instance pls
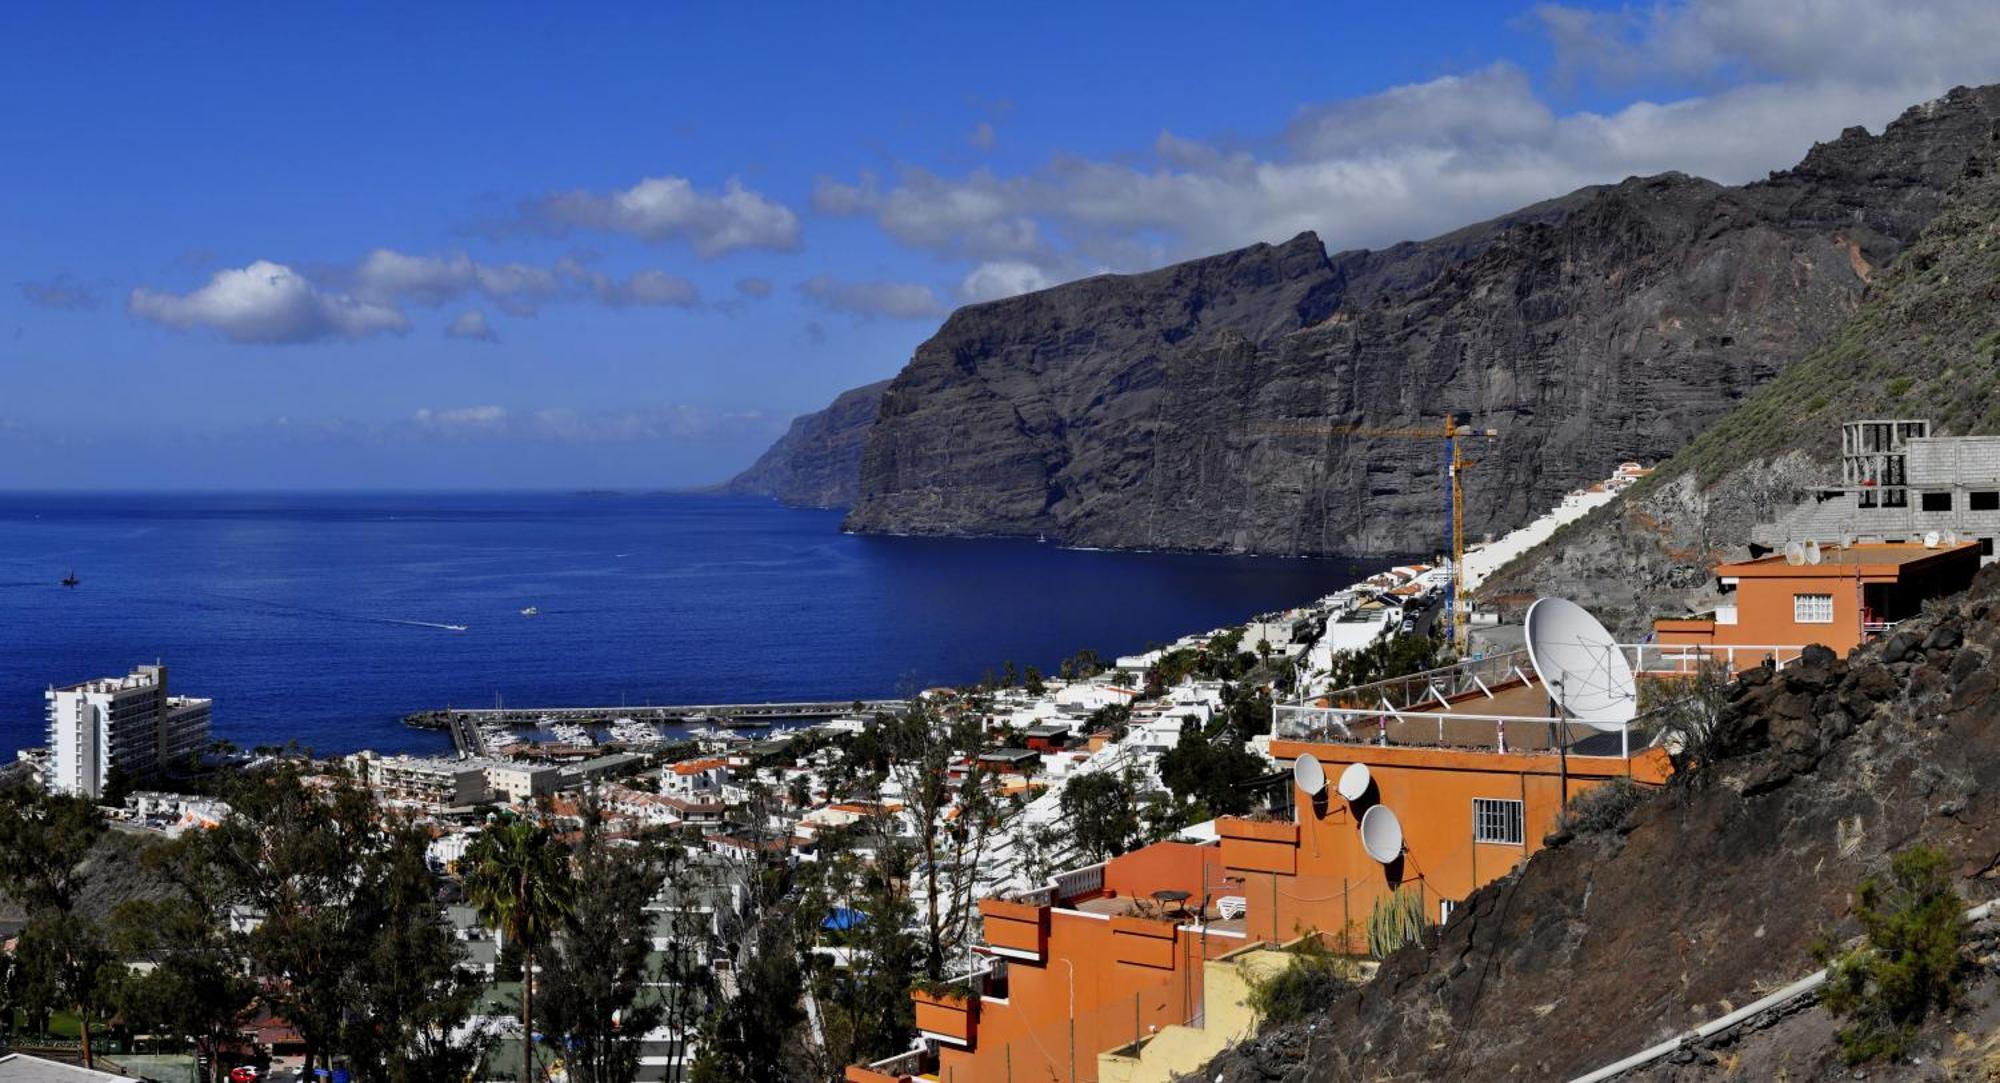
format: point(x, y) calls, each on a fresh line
point(1581, 664)
point(1382, 834)
point(1847, 541)
point(1931, 540)
point(1795, 553)
point(1308, 775)
point(1813, 555)
point(1951, 537)
point(1354, 781)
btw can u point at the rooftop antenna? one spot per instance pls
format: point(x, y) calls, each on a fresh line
point(1795, 553)
point(1382, 834)
point(1581, 664)
point(1354, 781)
point(1813, 555)
point(1584, 671)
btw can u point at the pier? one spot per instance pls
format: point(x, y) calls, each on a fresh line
point(463, 722)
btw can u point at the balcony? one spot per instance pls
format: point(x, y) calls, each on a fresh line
point(1497, 704)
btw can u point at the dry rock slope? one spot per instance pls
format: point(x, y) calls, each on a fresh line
point(1703, 898)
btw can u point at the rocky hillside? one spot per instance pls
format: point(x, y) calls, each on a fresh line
point(1704, 897)
point(817, 463)
point(1618, 322)
point(1926, 343)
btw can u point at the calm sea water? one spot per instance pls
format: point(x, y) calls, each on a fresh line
point(315, 617)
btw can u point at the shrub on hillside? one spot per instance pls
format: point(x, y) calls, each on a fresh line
point(1396, 920)
point(1909, 962)
point(1601, 809)
point(1305, 985)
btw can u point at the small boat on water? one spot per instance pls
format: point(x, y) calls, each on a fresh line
point(530, 611)
point(71, 580)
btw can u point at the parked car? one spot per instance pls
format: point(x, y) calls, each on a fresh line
point(244, 1074)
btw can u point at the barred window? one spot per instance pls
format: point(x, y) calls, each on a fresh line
point(1495, 820)
point(1812, 609)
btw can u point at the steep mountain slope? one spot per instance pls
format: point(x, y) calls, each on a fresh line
point(1925, 344)
point(1700, 899)
point(817, 463)
point(1615, 323)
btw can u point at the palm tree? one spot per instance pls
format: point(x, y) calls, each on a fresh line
point(520, 885)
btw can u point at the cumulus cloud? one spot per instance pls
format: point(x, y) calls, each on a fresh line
point(1002, 278)
point(667, 208)
point(471, 324)
point(754, 287)
point(563, 425)
point(896, 300)
point(61, 291)
point(268, 303)
point(1762, 82)
point(271, 302)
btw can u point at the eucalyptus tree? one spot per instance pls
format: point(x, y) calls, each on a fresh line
point(600, 985)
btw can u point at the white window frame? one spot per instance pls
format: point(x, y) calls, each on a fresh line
point(1494, 818)
point(1812, 609)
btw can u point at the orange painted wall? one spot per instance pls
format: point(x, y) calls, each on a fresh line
point(1027, 1037)
point(1764, 612)
point(1431, 791)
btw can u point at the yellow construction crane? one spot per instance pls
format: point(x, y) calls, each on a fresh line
point(1454, 435)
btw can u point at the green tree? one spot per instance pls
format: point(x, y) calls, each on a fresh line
point(925, 748)
point(1210, 775)
point(1102, 811)
point(415, 994)
point(306, 860)
point(1032, 681)
point(598, 978)
point(198, 984)
point(1909, 962)
point(45, 846)
point(747, 1039)
point(520, 885)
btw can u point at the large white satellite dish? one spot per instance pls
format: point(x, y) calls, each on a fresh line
point(1795, 553)
point(1581, 665)
point(1308, 775)
point(1812, 552)
point(1354, 781)
point(1382, 834)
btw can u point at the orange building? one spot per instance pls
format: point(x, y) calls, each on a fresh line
point(1106, 975)
point(1850, 594)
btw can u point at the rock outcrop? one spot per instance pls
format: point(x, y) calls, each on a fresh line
point(1162, 409)
point(817, 463)
point(1706, 895)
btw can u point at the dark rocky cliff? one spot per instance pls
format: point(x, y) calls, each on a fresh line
point(817, 463)
point(1705, 896)
point(1615, 323)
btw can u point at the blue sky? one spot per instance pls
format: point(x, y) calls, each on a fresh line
point(493, 246)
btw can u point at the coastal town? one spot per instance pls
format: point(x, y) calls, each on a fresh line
point(1102, 864)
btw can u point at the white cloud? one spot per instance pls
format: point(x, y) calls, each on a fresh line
point(983, 136)
point(668, 208)
point(995, 279)
point(643, 288)
point(471, 324)
point(461, 417)
point(61, 291)
point(1765, 81)
point(391, 276)
point(268, 303)
point(896, 300)
point(754, 287)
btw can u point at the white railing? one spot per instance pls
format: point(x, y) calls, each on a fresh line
point(902, 1064)
point(1088, 880)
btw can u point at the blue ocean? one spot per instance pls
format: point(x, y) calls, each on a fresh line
point(323, 618)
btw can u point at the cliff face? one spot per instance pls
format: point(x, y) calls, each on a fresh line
point(1160, 410)
point(1703, 897)
point(1926, 343)
point(817, 463)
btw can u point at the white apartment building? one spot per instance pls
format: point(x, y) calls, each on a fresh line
point(125, 724)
